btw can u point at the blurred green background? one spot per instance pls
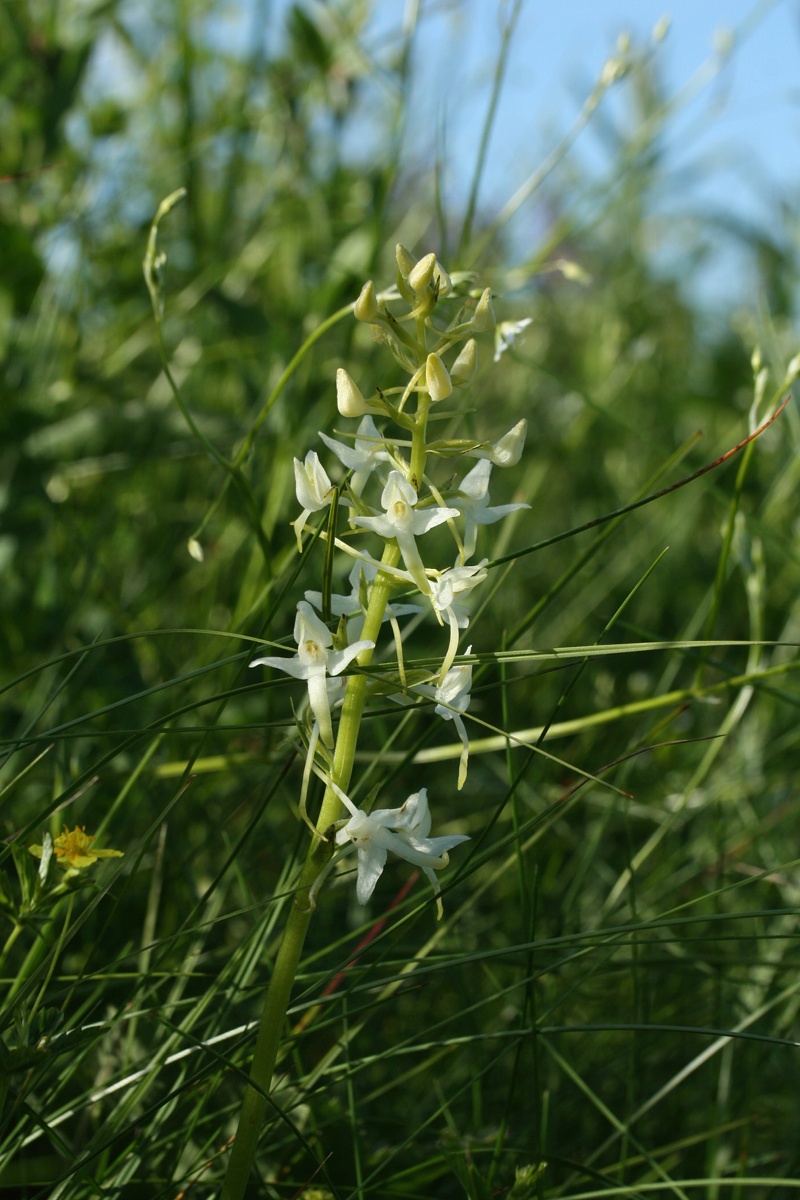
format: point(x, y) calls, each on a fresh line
point(592, 928)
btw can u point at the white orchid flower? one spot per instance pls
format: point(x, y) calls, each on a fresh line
point(403, 831)
point(507, 451)
point(314, 662)
point(361, 578)
point(507, 333)
point(405, 523)
point(474, 504)
point(452, 698)
point(457, 581)
point(313, 489)
point(362, 458)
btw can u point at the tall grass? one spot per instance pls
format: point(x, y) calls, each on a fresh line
point(613, 990)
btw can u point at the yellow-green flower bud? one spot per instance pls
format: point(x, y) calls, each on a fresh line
point(405, 260)
point(661, 30)
point(420, 276)
point(483, 320)
point(349, 400)
point(437, 380)
point(464, 368)
point(366, 306)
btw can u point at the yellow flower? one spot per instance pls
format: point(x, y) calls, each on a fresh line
point(75, 849)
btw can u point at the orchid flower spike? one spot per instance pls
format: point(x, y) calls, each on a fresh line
point(473, 501)
point(313, 489)
point(314, 661)
point(362, 458)
point(403, 831)
point(405, 523)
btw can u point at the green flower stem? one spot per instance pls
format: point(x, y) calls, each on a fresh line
point(419, 444)
point(288, 960)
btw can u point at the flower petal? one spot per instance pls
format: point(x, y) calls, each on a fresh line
point(339, 659)
point(292, 666)
point(320, 704)
point(371, 861)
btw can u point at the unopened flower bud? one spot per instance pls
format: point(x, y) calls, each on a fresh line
point(349, 400)
point(508, 450)
point(405, 260)
point(437, 380)
point(465, 366)
point(420, 276)
point(483, 318)
point(661, 29)
point(366, 306)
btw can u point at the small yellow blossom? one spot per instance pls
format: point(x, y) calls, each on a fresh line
point(74, 849)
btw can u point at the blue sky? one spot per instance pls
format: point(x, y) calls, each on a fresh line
point(737, 127)
point(750, 110)
point(737, 119)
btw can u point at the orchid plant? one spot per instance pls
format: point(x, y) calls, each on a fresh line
point(382, 508)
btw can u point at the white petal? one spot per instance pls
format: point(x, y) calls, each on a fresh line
point(412, 560)
point(339, 659)
point(398, 488)
point(419, 814)
point(428, 518)
point(320, 704)
point(309, 628)
point(476, 482)
point(464, 759)
point(341, 606)
point(312, 485)
point(371, 861)
point(435, 848)
point(380, 525)
point(292, 666)
point(488, 516)
point(347, 455)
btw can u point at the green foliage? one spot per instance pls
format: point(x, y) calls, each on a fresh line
point(614, 987)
